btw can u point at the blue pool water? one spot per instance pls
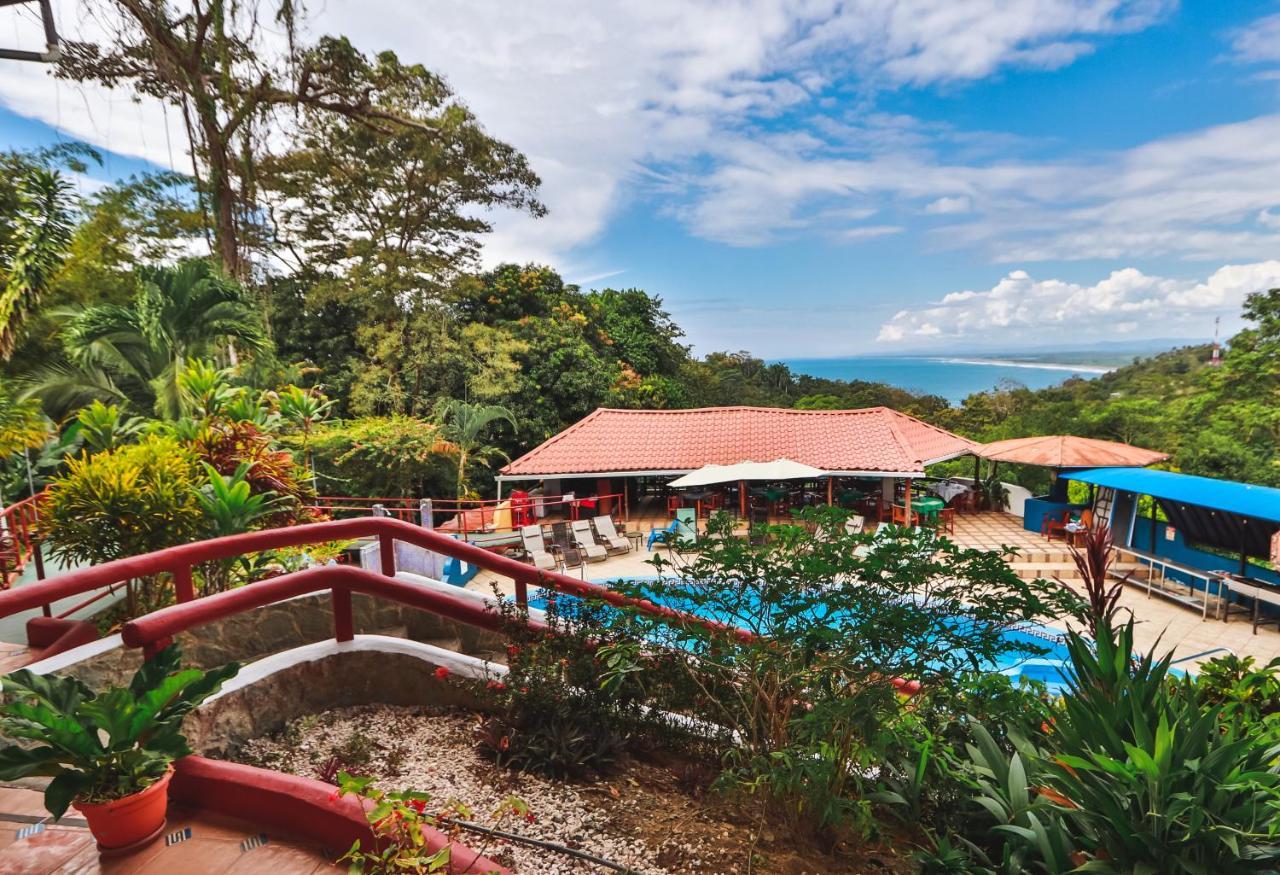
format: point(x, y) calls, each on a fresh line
point(1048, 668)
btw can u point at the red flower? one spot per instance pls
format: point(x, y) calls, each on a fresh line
point(418, 805)
point(333, 797)
point(531, 817)
point(442, 673)
point(504, 743)
point(496, 685)
point(512, 651)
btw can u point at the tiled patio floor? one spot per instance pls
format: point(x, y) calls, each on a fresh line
point(193, 844)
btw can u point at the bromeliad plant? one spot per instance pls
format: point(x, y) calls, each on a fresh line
point(99, 747)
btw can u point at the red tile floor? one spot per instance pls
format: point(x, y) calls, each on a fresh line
point(193, 844)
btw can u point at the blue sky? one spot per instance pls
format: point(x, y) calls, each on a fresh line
point(817, 178)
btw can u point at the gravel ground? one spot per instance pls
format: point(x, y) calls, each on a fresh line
point(420, 749)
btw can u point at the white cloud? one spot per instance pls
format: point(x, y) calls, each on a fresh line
point(1022, 307)
point(1257, 42)
point(947, 206)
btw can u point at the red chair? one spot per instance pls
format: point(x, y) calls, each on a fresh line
point(1051, 527)
point(674, 503)
point(947, 519)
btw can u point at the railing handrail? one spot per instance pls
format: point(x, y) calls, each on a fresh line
point(447, 504)
point(180, 559)
point(153, 629)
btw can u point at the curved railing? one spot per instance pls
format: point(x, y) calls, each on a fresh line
point(180, 560)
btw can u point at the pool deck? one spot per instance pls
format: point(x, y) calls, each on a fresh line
point(1162, 622)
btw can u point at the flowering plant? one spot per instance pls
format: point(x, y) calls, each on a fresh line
point(401, 820)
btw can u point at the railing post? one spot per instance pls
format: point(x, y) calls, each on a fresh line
point(38, 558)
point(182, 588)
point(343, 625)
point(150, 650)
point(522, 593)
point(387, 554)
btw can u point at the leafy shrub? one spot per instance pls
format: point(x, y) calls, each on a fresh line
point(1243, 689)
point(552, 713)
point(130, 500)
point(396, 456)
point(808, 704)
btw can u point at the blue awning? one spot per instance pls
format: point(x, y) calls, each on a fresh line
point(1223, 513)
point(1243, 499)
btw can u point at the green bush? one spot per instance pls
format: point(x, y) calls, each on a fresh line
point(130, 500)
point(391, 457)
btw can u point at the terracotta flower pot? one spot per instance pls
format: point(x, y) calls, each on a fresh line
point(131, 822)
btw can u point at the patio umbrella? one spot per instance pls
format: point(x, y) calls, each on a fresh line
point(1069, 451)
point(778, 469)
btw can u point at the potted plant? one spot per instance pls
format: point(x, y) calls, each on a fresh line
point(109, 754)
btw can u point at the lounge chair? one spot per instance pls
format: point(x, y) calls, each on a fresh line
point(608, 533)
point(536, 548)
point(564, 544)
point(587, 542)
point(855, 524)
point(664, 535)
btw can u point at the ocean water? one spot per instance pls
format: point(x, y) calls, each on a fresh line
point(952, 378)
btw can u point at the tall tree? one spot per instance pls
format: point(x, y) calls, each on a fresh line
point(223, 65)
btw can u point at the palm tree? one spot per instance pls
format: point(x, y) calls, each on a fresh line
point(304, 408)
point(463, 425)
point(180, 313)
point(41, 232)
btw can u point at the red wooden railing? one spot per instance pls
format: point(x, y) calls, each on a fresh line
point(18, 541)
point(179, 561)
point(475, 516)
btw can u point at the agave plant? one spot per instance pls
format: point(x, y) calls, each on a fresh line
point(101, 746)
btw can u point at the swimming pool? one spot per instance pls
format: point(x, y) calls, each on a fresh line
point(1048, 667)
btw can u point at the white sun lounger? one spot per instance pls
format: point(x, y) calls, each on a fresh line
point(531, 538)
point(587, 542)
point(613, 542)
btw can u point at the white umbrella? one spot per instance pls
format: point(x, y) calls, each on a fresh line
point(778, 469)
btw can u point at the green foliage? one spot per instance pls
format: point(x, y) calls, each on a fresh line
point(463, 425)
point(101, 746)
point(180, 313)
point(1244, 690)
point(38, 239)
point(562, 708)
point(384, 457)
point(130, 500)
point(105, 428)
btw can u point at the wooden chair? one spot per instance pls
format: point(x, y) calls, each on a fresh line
point(901, 515)
point(674, 503)
point(884, 511)
point(947, 519)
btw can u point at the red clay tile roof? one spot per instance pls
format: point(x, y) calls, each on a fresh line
point(872, 439)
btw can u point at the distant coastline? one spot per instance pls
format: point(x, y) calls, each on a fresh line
point(956, 377)
point(1015, 363)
